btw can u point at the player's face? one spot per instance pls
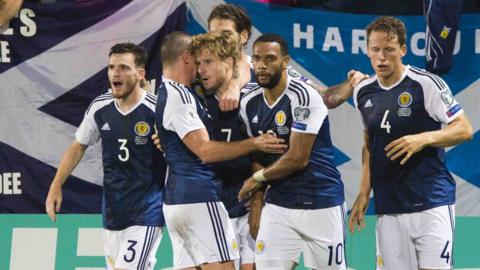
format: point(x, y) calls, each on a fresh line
point(268, 63)
point(385, 54)
point(219, 25)
point(213, 72)
point(123, 75)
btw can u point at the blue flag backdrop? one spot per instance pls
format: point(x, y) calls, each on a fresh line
point(53, 63)
point(53, 60)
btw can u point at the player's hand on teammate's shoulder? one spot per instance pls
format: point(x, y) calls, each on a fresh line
point(230, 98)
point(357, 213)
point(354, 77)
point(53, 202)
point(269, 143)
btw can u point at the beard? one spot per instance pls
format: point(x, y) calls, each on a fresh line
point(274, 79)
point(128, 86)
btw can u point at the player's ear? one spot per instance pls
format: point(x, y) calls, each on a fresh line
point(285, 61)
point(243, 37)
point(141, 73)
point(187, 57)
point(403, 49)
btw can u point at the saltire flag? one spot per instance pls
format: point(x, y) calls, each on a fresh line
point(442, 18)
point(53, 59)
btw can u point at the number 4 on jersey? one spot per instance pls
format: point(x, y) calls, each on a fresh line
point(385, 124)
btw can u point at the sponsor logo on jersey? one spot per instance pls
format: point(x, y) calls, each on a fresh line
point(259, 247)
point(454, 110)
point(255, 119)
point(380, 263)
point(368, 104)
point(280, 118)
point(405, 99)
point(142, 128)
point(105, 127)
point(301, 114)
point(447, 97)
point(299, 126)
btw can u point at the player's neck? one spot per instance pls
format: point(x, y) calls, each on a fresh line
point(177, 74)
point(273, 94)
point(126, 104)
point(393, 78)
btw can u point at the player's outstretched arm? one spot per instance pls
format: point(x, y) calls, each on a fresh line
point(295, 159)
point(359, 208)
point(70, 160)
point(336, 95)
point(209, 151)
point(457, 131)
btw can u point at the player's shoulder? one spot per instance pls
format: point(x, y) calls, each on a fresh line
point(426, 79)
point(363, 85)
point(150, 101)
point(178, 93)
point(99, 102)
point(249, 91)
point(302, 91)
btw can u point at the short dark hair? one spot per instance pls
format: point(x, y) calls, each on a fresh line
point(232, 13)
point(270, 37)
point(173, 45)
point(394, 27)
point(139, 53)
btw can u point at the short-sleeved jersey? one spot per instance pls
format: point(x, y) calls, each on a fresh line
point(299, 109)
point(178, 113)
point(419, 102)
point(134, 170)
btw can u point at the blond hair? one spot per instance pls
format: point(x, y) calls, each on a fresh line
point(222, 45)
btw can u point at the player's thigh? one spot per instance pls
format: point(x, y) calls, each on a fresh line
point(324, 242)
point(277, 239)
point(134, 247)
point(201, 233)
point(395, 248)
point(434, 240)
point(246, 243)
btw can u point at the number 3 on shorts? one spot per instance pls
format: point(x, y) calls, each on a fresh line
point(130, 251)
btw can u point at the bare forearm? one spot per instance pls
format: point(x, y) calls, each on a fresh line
point(283, 167)
point(337, 94)
point(215, 151)
point(455, 133)
point(70, 160)
point(365, 185)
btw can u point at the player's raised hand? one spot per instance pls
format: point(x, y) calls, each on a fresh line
point(405, 146)
point(357, 214)
point(354, 77)
point(269, 143)
point(53, 202)
point(248, 188)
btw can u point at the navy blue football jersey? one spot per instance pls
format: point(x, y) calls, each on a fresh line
point(419, 102)
point(299, 109)
point(134, 170)
point(178, 113)
point(227, 127)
